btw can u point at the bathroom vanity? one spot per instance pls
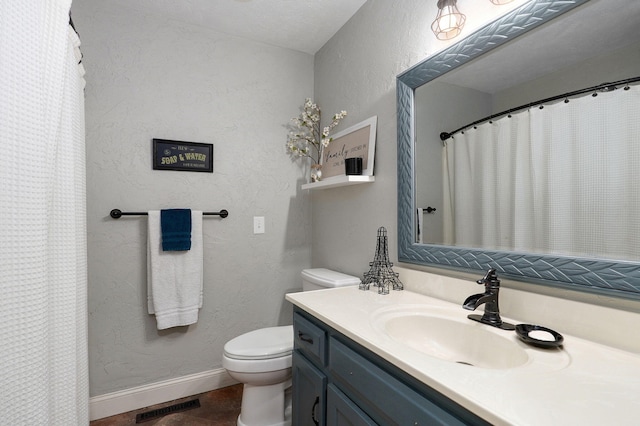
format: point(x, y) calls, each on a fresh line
point(335, 380)
point(361, 358)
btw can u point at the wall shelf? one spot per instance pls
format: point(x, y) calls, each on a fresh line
point(336, 181)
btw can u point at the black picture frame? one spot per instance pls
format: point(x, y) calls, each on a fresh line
point(182, 156)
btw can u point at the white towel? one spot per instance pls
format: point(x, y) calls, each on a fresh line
point(174, 278)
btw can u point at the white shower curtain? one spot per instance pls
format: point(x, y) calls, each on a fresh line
point(43, 310)
point(564, 179)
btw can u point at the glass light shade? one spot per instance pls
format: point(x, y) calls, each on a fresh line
point(449, 21)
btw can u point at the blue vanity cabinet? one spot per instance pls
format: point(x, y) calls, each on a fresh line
point(309, 396)
point(356, 387)
point(341, 411)
point(308, 377)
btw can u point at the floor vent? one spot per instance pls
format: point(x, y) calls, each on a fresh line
point(160, 412)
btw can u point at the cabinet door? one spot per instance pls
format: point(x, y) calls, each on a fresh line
point(385, 397)
point(309, 393)
point(341, 411)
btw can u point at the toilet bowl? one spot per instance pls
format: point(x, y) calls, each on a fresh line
point(261, 360)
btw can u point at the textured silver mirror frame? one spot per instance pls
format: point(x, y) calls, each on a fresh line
point(610, 277)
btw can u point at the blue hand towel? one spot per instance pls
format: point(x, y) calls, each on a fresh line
point(175, 225)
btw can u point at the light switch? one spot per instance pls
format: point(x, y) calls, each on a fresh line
point(258, 224)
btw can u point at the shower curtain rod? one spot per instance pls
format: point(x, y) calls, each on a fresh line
point(117, 213)
point(604, 87)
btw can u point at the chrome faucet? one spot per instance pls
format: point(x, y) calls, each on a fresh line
point(490, 300)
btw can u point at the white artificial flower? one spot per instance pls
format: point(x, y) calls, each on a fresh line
point(309, 141)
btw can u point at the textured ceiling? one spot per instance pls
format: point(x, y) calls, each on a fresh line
point(304, 25)
point(592, 29)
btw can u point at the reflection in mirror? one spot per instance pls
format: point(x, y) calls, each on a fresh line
point(576, 197)
point(524, 70)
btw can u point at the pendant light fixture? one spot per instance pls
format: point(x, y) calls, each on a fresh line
point(449, 21)
point(501, 1)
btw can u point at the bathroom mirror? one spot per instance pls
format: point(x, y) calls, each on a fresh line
point(535, 30)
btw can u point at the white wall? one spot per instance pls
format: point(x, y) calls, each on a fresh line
point(148, 77)
point(356, 71)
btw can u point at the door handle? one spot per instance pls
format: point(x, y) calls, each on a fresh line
point(313, 411)
point(305, 338)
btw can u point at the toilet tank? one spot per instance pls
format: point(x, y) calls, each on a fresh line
point(319, 278)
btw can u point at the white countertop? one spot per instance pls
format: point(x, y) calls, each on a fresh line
point(584, 383)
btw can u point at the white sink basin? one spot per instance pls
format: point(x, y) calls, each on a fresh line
point(451, 336)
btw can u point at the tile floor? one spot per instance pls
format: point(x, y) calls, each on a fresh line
point(220, 407)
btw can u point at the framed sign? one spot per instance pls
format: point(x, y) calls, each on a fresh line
point(356, 141)
point(182, 156)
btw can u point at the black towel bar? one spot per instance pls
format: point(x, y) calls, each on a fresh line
point(117, 213)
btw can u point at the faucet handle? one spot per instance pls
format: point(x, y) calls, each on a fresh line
point(490, 279)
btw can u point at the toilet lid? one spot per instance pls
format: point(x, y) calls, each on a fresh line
point(265, 343)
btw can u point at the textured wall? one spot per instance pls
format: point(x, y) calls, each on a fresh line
point(356, 71)
point(149, 77)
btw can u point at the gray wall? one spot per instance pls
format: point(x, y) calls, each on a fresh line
point(356, 71)
point(150, 77)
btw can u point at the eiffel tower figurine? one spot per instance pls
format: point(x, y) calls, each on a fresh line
point(380, 274)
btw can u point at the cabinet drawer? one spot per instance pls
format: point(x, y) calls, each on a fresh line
point(309, 339)
point(384, 397)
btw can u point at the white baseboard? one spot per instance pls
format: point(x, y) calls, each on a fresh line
point(130, 399)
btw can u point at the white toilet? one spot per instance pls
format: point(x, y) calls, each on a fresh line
point(261, 360)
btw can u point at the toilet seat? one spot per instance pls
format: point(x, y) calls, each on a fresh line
point(265, 343)
point(263, 350)
point(257, 366)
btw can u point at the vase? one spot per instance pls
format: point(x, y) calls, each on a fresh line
point(316, 172)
